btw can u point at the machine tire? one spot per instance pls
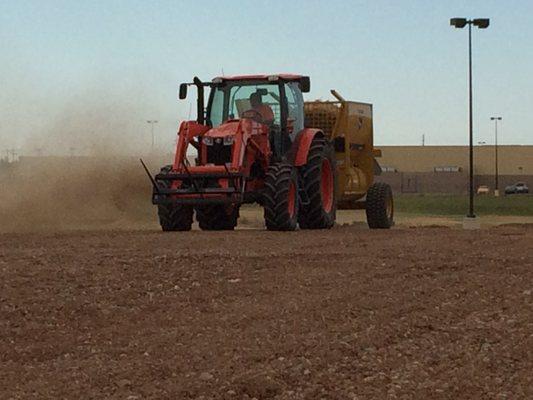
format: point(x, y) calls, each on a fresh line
point(379, 206)
point(217, 217)
point(319, 181)
point(280, 198)
point(173, 217)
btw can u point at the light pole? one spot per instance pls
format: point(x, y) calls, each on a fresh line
point(152, 122)
point(496, 188)
point(481, 23)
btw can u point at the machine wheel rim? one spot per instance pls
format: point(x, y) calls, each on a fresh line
point(291, 200)
point(326, 185)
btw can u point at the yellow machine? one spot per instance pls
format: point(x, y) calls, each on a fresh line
point(348, 124)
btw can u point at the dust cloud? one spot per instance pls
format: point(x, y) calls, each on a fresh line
point(82, 171)
point(56, 193)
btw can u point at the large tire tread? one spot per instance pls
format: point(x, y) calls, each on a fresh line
point(313, 215)
point(217, 217)
point(377, 199)
point(173, 217)
point(276, 197)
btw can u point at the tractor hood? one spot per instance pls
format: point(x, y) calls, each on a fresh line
point(228, 128)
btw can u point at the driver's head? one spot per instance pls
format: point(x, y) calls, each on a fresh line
point(256, 100)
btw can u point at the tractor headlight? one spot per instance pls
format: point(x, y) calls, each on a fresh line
point(210, 140)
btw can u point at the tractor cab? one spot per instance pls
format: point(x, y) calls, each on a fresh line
point(274, 101)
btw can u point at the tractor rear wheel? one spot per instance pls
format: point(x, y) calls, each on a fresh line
point(173, 217)
point(217, 217)
point(379, 206)
point(318, 177)
point(280, 198)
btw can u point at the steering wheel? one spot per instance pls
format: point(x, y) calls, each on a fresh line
point(253, 114)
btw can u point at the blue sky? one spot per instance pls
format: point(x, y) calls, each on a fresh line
point(74, 69)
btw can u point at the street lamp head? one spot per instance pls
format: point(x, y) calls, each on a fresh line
point(482, 23)
point(458, 22)
point(495, 118)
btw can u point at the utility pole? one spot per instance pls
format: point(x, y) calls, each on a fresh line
point(496, 187)
point(152, 122)
point(423, 140)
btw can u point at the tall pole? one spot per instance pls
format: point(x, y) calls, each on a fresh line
point(481, 23)
point(471, 207)
point(496, 172)
point(496, 188)
point(152, 122)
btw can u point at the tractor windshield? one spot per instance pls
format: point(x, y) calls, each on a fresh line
point(237, 99)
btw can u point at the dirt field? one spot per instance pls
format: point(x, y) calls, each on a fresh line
point(426, 313)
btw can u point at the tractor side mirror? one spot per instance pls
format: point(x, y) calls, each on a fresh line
point(183, 91)
point(305, 84)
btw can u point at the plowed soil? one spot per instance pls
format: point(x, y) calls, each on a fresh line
point(420, 313)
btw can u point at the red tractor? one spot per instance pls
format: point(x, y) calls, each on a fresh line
point(251, 147)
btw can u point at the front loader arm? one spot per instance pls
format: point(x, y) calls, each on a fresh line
point(187, 131)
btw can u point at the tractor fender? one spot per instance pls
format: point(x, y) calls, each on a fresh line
point(301, 145)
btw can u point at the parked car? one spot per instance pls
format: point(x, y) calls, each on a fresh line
point(483, 189)
point(517, 188)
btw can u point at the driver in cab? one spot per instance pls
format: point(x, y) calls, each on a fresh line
point(259, 112)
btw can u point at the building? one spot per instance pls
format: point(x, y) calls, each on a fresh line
point(445, 169)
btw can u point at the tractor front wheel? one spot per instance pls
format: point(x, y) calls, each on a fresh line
point(217, 217)
point(379, 206)
point(318, 177)
point(173, 217)
point(280, 198)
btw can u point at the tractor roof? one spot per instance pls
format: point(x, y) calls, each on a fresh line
point(259, 77)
